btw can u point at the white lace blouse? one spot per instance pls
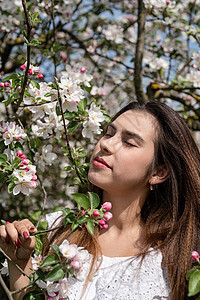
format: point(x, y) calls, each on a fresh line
point(124, 278)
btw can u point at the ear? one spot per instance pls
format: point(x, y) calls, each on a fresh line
point(160, 174)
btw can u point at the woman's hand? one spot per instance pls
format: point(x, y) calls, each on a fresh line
point(16, 241)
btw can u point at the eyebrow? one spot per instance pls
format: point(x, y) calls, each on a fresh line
point(129, 133)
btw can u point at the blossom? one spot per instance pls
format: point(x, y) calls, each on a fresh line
point(107, 205)
point(67, 250)
point(76, 264)
point(4, 269)
point(36, 260)
point(96, 213)
point(50, 286)
point(46, 158)
point(114, 33)
point(11, 132)
point(92, 124)
point(195, 255)
point(107, 216)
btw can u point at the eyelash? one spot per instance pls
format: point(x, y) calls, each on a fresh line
point(125, 142)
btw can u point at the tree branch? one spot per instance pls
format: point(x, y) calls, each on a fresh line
point(141, 97)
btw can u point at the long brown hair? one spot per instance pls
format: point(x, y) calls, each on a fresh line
point(171, 213)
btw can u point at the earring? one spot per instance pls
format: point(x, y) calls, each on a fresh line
point(151, 187)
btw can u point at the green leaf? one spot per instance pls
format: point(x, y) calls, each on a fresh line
point(55, 274)
point(16, 162)
point(72, 126)
point(12, 76)
point(194, 283)
point(11, 187)
point(35, 84)
point(94, 200)
point(90, 226)
point(3, 158)
point(36, 215)
point(50, 260)
point(38, 244)
point(82, 200)
point(2, 146)
point(43, 225)
point(74, 225)
point(18, 146)
point(191, 271)
point(68, 168)
point(82, 104)
point(55, 248)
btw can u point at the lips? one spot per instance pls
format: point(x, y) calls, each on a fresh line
point(100, 162)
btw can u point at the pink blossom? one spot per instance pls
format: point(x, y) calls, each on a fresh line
point(76, 264)
point(105, 226)
point(32, 184)
point(19, 153)
point(27, 169)
point(18, 138)
point(107, 216)
point(30, 72)
point(34, 177)
point(25, 161)
point(83, 70)
point(6, 84)
point(40, 76)
point(102, 222)
point(23, 156)
point(195, 255)
point(107, 206)
point(96, 213)
point(22, 67)
point(1, 84)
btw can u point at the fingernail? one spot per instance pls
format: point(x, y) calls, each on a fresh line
point(7, 222)
point(18, 244)
point(32, 228)
point(26, 235)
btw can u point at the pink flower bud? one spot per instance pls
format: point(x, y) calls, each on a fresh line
point(21, 165)
point(30, 72)
point(0, 76)
point(32, 184)
point(19, 153)
point(18, 138)
point(102, 222)
point(195, 255)
point(22, 67)
point(34, 177)
point(65, 59)
point(40, 76)
point(107, 216)
point(6, 83)
point(1, 84)
point(83, 212)
point(23, 156)
point(76, 264)
point(28, 169)
point(83, 70)
point(105, 226)
point(96, 213)
point(25, 161)
point(19, 88)
point(107, 206)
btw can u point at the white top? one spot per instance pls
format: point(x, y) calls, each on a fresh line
point(124, 278)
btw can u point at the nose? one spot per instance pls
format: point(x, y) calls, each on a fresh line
point(108, 146)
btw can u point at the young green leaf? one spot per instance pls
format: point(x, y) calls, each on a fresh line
point(90, 226)
point(55, 274)
point(94, 200)
point(82, 200)
point(194, 283)
point(50, 260)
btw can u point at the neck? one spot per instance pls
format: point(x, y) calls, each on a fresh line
point(126, 210)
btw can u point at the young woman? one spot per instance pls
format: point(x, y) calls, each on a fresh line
point(148, 166)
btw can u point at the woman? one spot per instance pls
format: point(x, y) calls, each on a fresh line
point(148, 166)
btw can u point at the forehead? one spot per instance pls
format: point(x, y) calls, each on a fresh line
point(139, 122)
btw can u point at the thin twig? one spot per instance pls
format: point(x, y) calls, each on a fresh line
point(28, 37)
point(16, 265)
point(7, 291)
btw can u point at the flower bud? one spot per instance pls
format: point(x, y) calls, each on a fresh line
point(107, 206)
point(30, 72)
point(102, 222)
point(34, 177)
point(82, 70)
point(23, 156)
point(107, 216)
point(76, 264)
point(40, 76)
point(96, 213)
point(1, 84)
point(25, 161)
point(195, 255)
point(105, 226)
point(6, 83)
point(19, 153)
point(22, 67)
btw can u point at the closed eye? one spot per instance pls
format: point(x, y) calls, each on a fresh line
point(129, 144)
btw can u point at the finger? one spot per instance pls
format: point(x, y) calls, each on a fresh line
point(25, 227)
point(12, 233)
point(3, 234)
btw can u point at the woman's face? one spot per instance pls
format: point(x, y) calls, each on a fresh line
point(123, 156)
